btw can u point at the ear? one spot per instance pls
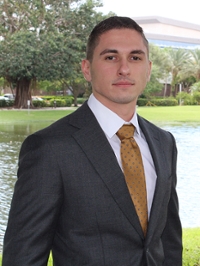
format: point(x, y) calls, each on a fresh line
point(149, 72)
point(85, 65)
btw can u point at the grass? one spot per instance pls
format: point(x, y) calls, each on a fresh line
point(191, 248)
point(182, 114)
point(24, 116)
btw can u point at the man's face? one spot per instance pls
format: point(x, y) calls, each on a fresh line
point(120, 68)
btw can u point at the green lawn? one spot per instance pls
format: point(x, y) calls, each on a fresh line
point(171, 113)
point(24, 116)
point(191, 247)
point(155, 114)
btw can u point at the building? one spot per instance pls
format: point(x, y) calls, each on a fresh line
point(166, 32)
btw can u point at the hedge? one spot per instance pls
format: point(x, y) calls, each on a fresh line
point(4, 103)
point(61, 102)
point(157, 102)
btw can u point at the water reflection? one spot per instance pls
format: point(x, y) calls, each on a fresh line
point(11, 137)
point(188, 143)
point(188, 171)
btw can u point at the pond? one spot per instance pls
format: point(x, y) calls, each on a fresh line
point(188, 168)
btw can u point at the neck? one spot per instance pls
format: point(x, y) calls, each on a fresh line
point(124, 110)
point(125, 113)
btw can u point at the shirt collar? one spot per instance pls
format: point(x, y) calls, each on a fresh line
point(109, 121)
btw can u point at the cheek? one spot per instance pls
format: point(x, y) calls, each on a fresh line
point(99, 75)
point(147, 75)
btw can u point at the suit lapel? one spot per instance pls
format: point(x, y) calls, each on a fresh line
point(94, 144)
point(157, 152)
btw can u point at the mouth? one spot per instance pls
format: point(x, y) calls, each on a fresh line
point(123, 83)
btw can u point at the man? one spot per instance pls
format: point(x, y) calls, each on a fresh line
point(72, 195)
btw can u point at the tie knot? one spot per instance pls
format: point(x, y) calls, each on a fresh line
point(126, 132)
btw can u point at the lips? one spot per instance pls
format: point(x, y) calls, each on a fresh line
point(123, 83)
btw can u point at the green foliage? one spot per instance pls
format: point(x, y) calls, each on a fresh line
point(50, 86)
point(196, 97)
point(48, 43)
point(40, 104)
point(196, 86)
point(69, 101)
point(179, 59)
point(44, 57)
point(157, 102)
point(61, 102)
point(2, 82)
point(194, 64)
point(142, 101)
point(154, 85)
point(4, 103)
point(81, 100)
point(57, 103)
point(185, 98)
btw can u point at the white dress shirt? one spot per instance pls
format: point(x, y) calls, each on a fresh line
point(110, 123)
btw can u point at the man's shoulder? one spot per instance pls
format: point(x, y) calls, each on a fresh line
point(69, 123)
point(148, 126)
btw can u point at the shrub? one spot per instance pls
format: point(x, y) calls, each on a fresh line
point(196, 97)
point(57, 102)
point(69, 101)
point(81, 100)
point(157, 102)
point(185, 98)
point(142, 102)
point(164, 102)
point(37, 103)
point(4, 103)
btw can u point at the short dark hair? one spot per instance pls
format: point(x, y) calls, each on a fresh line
point(111, 23)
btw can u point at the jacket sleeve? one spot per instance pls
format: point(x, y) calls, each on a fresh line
point(35, 206)
point(172, 234)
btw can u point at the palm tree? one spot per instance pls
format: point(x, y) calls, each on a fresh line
point(179, 58)
point(194, 64)
point(159, 69)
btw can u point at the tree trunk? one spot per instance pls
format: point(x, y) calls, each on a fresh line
point(23, 94)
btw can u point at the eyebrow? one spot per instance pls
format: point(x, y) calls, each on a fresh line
point(114, 51)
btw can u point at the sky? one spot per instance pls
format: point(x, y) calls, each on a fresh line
point(182, 10)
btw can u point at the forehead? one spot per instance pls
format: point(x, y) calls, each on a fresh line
point(121, 39)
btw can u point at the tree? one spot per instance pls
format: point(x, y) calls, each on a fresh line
point(178, 59)
point(193, 66)
point(44, 40)
point(159, 70)
point(35, 15)
point(83, 18)
point(26, 57)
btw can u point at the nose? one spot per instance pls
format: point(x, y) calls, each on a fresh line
point(124, 68)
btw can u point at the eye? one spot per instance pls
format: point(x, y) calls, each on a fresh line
point(110, 57)
point(135, 58)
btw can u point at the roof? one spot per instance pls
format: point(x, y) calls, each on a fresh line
point(165, 29)
point(168, 21)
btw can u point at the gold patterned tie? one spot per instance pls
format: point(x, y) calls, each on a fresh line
point(134, 172)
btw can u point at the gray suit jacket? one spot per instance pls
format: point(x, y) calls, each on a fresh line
point(71, 198)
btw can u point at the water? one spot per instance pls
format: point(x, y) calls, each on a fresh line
point(188, 168)
point(188, 172)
